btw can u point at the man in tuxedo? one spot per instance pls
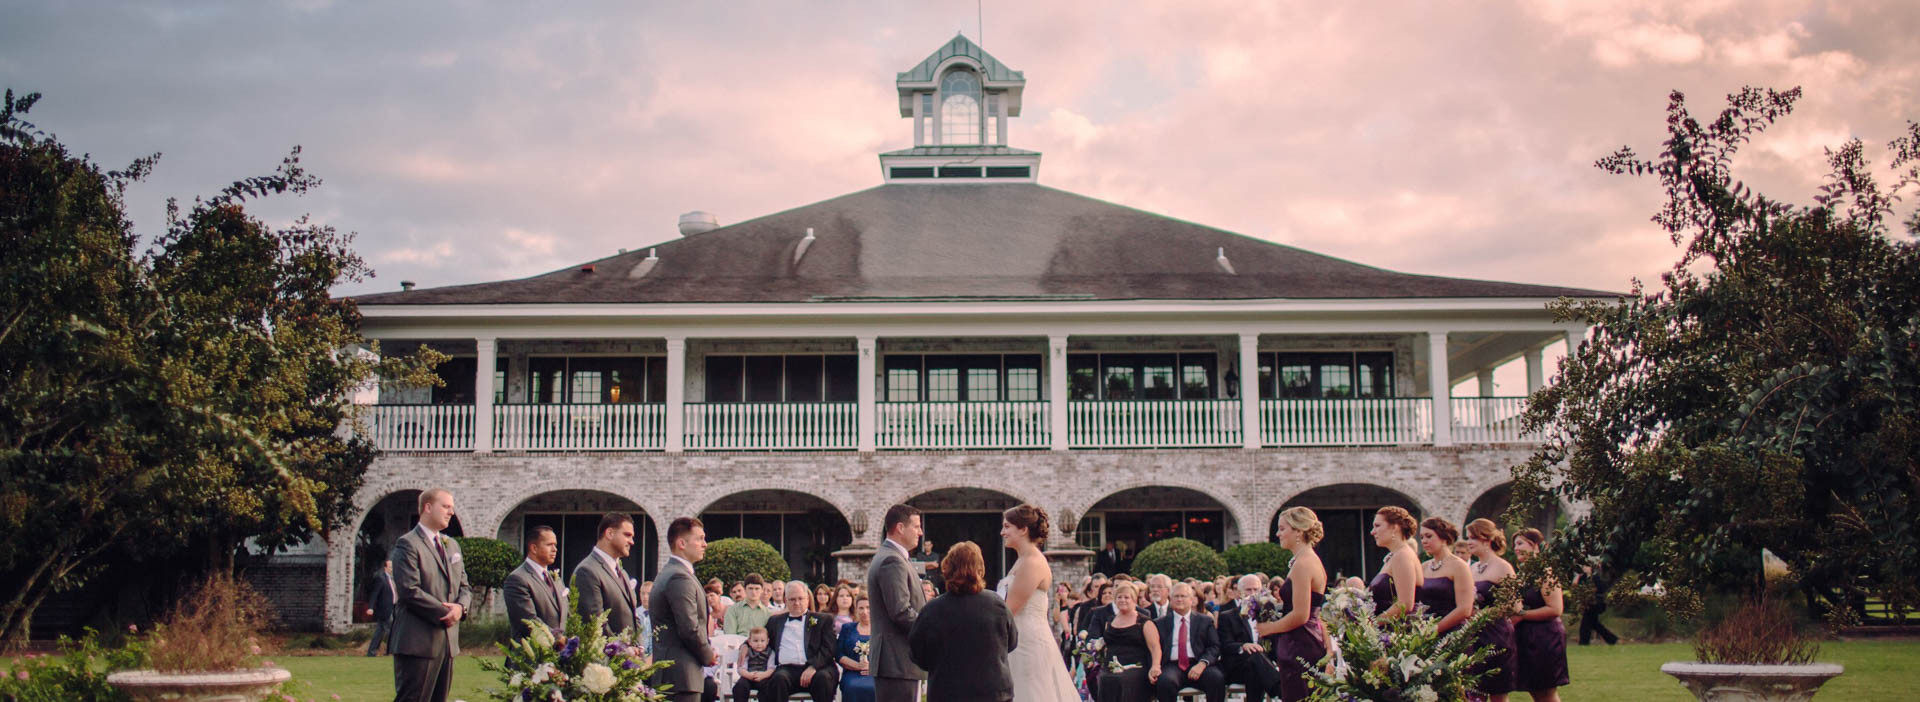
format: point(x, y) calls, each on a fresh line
point(803, 646)
point(602, 583)
point(1241, 657)
point(1108, 563)
point(431, 585)
point(380, 601)
point(532, 591)
point(678, 606)
point(1189, 651)
point(895, 598)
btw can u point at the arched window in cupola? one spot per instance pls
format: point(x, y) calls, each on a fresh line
point(960, 107)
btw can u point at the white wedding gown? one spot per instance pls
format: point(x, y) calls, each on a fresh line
point(1039, 674)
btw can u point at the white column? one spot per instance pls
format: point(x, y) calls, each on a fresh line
point(1250, 390)
point(483, 395)
point(676, 394)
point(919, 122)
point(869, 414)
point(1485, 376)
point(1575, 337)
point(1000, 130)
point(1536, 372)
point(1057, 391)
point(1440, 385)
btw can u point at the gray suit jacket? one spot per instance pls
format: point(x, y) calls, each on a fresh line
point(678, 606)
point(602, 588)
point(530, 597)
point(426, 584)
point(894, 595)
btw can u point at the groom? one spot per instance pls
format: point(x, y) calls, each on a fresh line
point(893, 592)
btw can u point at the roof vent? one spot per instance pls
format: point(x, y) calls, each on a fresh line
point(697, 222)
point(1220, 257)
point(586, 268)
point(805, 243)
point(406, 285)
point(645, 266)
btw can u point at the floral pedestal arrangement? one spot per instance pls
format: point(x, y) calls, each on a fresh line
point(1743, 682)
point(228, 686)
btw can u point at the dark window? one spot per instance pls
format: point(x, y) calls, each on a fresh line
point(957, 378)
point(763, 378)
point(903, 378)
point(843, 378)
point(1083, 377)
point(1327, 375)
point(804, 374)
point(1133, 376)
point(724, 381)
point(1008, 171)
point(959, 171)
point(912, 172)
point(596, 380)
point(791, 378)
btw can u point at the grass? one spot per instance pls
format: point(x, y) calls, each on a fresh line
point(1876, 670)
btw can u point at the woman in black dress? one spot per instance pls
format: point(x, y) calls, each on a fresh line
point(1540, 639)
point(1447, 586)
point(1489, 569)
point(1393, 587)
point(962, 638)
point(1299, 633)
point(1132, 643)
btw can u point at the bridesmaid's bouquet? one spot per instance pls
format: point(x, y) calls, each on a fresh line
point(1400, 659)
point(581, 663)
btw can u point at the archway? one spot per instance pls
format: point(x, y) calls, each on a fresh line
point(1346, 513)
point(804, 528)
point(574, 516)
point(953, 515)
point(380, 528)
point(1493, 504)
point(1134, 518)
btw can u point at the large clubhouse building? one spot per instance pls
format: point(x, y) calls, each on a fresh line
point(959, 338)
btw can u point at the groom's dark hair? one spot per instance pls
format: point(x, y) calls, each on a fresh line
point(897, 514)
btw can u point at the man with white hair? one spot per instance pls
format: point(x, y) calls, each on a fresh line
point(803, 646)
point(1241, 658)
point(1159, 592)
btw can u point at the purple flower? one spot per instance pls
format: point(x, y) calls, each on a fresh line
point(573, 646)
point(628, 664)
point(612, 649)
point(1386, 640)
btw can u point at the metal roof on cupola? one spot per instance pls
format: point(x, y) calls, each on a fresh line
point(959, 99)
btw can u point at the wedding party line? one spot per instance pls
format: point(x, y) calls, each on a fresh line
point(1430, 621)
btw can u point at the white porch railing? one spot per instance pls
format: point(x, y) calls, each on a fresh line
point(1354, 422)
point(1489, 420)
point(420, 427)
point(961, 425)
point(1153, 423)
point(749, 426)
point(630, 426)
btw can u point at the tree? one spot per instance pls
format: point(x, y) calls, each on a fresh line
point(184, 398)
point(1257, 557)
point(1179, 559)
point(488, 563)
point(731, 560)
point(1766, 395)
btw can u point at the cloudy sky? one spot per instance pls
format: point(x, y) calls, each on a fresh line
point(474, 141)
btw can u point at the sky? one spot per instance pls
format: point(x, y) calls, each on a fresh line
point(477, 141)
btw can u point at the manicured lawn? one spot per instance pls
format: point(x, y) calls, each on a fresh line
point(1876, 670)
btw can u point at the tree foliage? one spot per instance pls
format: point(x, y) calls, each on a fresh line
point(731, 560)
point(186, 397)
point(1179, 559)
point(1257, 557)
point(1765, 395)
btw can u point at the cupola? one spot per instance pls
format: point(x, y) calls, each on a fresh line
point(959, 99)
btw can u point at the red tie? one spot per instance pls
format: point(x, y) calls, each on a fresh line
point(1180, 642)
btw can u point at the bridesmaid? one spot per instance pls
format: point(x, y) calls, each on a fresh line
point(1447, 585)
point(1394, 586)
point(1539, 637)
point(1489, 569)
point(855, 684)
point(1301, 636)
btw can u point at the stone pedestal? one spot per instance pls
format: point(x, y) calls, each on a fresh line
point(1070, 565)
point(1726, 682)
point(854, 561)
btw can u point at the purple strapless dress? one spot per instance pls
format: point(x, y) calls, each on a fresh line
point(1437, 595)
point(1307, 641)
point(1382, 590)
point(1496, 635)
point(1540, 647)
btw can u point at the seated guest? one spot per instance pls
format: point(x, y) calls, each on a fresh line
point(855, 684)
point(842, 609)
point(1133, 644)
point(1192, 645)
point(751, 612)
point(803, 644)
point(754, 666)
point(1242, 658)
point(962, 638)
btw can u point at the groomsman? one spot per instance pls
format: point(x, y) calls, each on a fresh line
point(803, 646)
point(1241, 657)
point(679, 607)
point(433, 598)
point(1189, 651)
point(893, 593)
point(603, 584)
point(380, 601)
point(534, 592)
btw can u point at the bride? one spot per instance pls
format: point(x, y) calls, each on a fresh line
point(1039, 674)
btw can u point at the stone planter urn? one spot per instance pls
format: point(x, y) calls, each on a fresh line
point(226, 686)
point(1743, 682)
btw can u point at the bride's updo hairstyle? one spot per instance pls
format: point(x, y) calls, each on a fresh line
point(1485, 530)
point(1031, 519)
point(1303, 520)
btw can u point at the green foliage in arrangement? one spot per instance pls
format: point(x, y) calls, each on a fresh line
point(1765, 395)
point(1178, 559)
point(1261, 557)
point(731, 560)
point(78, 672)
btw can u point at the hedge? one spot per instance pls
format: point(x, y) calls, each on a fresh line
point(1262, 557)
point(1179, 559)
point(731, 560)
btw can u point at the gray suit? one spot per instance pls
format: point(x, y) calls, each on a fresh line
point(604, 588)
point(678, 606)
point(423, 648)
point(894, 595)
point(530, 596)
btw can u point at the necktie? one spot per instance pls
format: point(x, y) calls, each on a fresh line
point(443, 552)
point(1180, 642)
point(551, 587)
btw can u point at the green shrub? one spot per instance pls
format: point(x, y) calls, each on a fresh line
point(732, 559)
point(1261, 557)
point(1178, 559)
point(488, 561)
point(78, 672)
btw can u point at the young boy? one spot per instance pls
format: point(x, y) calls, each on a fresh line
point(754, 666)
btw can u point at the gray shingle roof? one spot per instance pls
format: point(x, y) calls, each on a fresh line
point(994, 70)
point(1006, 241)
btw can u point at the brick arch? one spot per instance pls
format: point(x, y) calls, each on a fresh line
point(504, 504)
point(370, 495)
point(1428, 506)
point(1233, 507)
point(901, 497)
point(839, 499)
point(1479, 490)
